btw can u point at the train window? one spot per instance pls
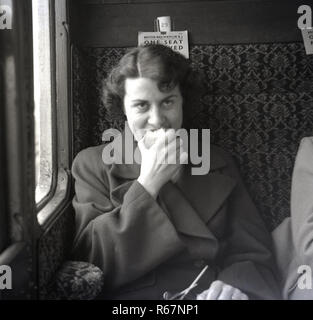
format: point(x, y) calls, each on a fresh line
point(51, 64)
point(42, 97)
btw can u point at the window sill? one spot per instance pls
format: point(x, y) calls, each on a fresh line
point(51, 209)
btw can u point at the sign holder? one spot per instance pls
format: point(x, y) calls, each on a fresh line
point(176, 40)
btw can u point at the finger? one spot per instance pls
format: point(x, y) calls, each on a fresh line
point(183, 158)
point(182, 153)
point(179, 143)
point(244, 296)
point(173, 144)
point(173, 147)
point(172, 152)
point(177, 156)
point(214, 290)
point(140, 133)
point(165, 137)
point(180, 157)
point(227, 293)
point(170, 135)
point(202, 295)
point(160, 141)
point(237, 295)
point(176, 145)
point(149, 139)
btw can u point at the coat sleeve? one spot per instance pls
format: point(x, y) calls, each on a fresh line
point(302, 202)
point(248, 262)
point(126, 241)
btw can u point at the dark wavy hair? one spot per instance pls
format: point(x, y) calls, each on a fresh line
point(157, 62)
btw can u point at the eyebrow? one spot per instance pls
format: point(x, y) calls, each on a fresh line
point(144, 100)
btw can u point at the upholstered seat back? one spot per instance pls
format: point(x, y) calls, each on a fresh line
point(258, 104)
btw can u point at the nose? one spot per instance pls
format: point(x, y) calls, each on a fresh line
point(156, 117)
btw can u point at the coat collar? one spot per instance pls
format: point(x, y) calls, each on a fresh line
point(191, 202)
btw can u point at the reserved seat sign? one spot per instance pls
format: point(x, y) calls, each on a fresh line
point(176, 40)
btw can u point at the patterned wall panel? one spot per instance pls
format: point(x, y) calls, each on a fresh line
point(258, 104)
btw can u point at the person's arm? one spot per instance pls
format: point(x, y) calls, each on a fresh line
point(302, 202)
point(248, 263)
point(127, 241)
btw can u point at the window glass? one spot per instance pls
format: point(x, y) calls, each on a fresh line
point(42, 97)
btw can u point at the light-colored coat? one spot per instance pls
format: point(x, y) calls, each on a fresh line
point(293, 239)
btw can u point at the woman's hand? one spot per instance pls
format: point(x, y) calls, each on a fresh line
point(161, 161)
point(222, 291)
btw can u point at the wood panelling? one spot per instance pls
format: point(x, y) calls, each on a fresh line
point(208, 22)
point(151, 1)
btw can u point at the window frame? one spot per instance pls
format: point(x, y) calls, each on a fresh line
point(24, 222)
point(57, 198)
point(16, 91)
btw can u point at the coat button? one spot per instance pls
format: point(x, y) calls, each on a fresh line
point(199, 263)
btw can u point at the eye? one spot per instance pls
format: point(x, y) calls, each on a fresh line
point(168, 103)
point(142, 106)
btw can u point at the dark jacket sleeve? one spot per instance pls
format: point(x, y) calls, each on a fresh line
point(248, 262)
point(126, 241)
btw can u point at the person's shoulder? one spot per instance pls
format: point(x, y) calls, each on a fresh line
point(90, 152)
point(220, 157)
point(306, 148)
point(304, 155)
point(307, 142)
point(223, 160)
point(89, 158)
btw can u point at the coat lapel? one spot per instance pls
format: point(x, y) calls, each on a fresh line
point(191, 202)
point(194, 200)
point(182, 214)
point(122, 176)
point(207, 194)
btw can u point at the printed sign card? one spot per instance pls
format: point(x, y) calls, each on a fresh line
point(176, 40)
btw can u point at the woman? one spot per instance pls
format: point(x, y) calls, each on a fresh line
point(152, 227)
point(293, 238)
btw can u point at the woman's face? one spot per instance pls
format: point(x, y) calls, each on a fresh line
point(149, 109)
